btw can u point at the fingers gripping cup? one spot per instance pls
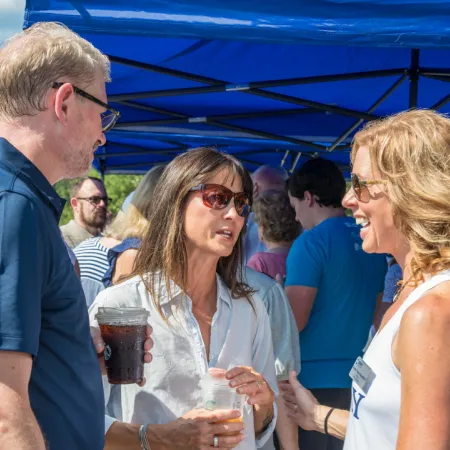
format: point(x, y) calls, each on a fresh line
point(124, 333)
point(217, 393)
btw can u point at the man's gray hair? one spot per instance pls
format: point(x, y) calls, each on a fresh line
point(35, 58)
point(271, 172)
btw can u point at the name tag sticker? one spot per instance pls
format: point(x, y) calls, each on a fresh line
point(362, 375)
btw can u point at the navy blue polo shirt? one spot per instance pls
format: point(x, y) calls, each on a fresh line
point(43, 311)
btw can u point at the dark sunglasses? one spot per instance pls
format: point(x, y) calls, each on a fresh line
point(95, 200)
point(216, 196)
point(360, 187)
point(109, 117)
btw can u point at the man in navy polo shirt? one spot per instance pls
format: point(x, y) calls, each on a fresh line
point(52, 91)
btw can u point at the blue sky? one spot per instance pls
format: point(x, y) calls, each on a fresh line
point(11, 17)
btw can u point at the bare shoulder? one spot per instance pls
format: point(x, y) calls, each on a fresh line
point(430, 313)
point(127, 255)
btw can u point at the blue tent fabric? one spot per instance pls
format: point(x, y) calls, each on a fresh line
point(272, 82)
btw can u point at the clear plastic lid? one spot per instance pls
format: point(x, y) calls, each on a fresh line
point(122, 316)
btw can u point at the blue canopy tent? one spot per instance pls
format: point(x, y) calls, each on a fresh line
point(269, 81)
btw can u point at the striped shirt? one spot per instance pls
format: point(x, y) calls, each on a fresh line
point(92, 257)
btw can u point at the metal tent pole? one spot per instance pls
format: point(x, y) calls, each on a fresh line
point(414, 78)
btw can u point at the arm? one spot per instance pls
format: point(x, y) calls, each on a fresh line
point(286, 349)
point(124, 265)
point(386, 298)
point(196, 429)
point(287, 429)
point(307, 413)
point(21, 282)
point(20, 429)
point(380, 310)
point(122, 436)
point(301, 299)
point(304, 267)
point(337, 422)
point(422, 355)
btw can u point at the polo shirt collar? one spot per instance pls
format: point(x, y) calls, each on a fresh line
point(20, 164)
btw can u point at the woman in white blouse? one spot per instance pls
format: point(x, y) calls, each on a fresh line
point(188, 276)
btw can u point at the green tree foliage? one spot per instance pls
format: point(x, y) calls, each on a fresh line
point(117, 186)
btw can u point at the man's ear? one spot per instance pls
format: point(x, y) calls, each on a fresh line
point(63, 100)
point(74, 203)
point(309, 198)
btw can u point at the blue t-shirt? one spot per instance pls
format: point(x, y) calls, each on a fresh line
point(43, 311)
point(330, 258)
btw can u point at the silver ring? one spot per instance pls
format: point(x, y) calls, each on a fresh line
point(215, 441)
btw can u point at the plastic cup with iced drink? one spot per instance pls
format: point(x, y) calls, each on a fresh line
point(217, 393)
point(124, 333)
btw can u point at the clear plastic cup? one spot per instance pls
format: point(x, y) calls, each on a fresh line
point(124, 332)
point(217, 393)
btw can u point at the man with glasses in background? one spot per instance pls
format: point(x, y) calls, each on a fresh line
point(89, 202)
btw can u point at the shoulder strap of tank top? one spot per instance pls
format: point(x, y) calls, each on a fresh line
point(424, 287)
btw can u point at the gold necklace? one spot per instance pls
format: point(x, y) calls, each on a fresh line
point(400, 290)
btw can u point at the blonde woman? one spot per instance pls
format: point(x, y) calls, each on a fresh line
point(130, 227)
point(401, 197)
point(188, 275)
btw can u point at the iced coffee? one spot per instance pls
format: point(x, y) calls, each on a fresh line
point(124, 333)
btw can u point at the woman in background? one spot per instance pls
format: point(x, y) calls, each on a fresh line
point(277, 229)
point(130, 228)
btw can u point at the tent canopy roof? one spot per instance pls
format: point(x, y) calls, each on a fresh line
point(248, 76)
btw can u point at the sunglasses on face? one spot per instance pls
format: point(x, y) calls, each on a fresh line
point(216, 196)
point(360, 187)
point(95, 200)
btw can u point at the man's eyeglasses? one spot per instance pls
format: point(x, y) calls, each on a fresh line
point(216, 196)
point(109, 117)
point(360, 187)
point(95, 200)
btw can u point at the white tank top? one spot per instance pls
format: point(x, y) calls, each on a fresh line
point(374, 418)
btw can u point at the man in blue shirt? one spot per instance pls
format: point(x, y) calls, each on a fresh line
point(332, 286)
point(52, 86)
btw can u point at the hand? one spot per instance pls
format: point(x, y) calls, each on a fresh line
point(196, 430)
point(100, 347)
point(301, 404)
point(252, 384)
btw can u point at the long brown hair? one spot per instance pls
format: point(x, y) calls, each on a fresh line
point(162, 258)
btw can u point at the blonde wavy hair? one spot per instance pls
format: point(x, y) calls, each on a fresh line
point(134, 222)
point(411, 151)
point(35, 58)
